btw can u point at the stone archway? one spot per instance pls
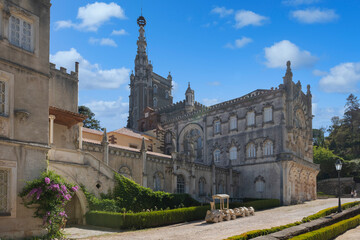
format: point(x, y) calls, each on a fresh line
point(73, 211)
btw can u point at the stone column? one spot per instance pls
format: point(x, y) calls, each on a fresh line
point(193, 181)
point(230, 184)
point(51, 130)
point(105, 145)
point(213, 179)
point(143, 157)
point(80, 125)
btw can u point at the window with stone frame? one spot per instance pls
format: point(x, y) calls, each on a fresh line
point(3, 98)
point(155, 102)
point(168, 137)
point(221, 187)
point(180, 184)
point(251, 150)
point(233, 153)
point(250, 118)
point(259, 184)
point(155, 89)
point(202, 183)
point(167, 94)
point(4, 192)
point(217, 127)
point(268, 148)
point(158, 182)
point(21, 33)
point(268, 115)
point(217, 155)
point(233, 123)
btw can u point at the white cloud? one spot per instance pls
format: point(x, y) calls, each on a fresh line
point(210, 101)
point(244, 18)
point(317, 72)
point(110, 112)
point(309, 16)
point(343, 78)
point(91, 76)
point(299, 2)
point(64, 24)
point(239, 43)
point(222, 11)
point(215, 83)
point(103, 41)
point(92, 16)
point(278, 54)
point(119, 32)
point(323, 115)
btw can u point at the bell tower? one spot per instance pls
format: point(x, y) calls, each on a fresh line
point(140, 81)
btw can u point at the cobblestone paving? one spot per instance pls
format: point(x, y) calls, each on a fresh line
point(201, 230)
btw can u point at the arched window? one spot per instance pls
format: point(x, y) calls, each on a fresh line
point(180, 184)
point(158, 178)
point(155, 89)
point(251, 150)
point(268, 148)
point(202, 186)
point(125, 171)
point(259, 184)
point(217, 155)
point(233, 153)
point(166, 94)
point(221, 187)
point(193, 143)
point(250, 118)
point(155, 102)
point(267, 114)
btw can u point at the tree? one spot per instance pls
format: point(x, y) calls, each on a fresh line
point(90, 122)
point(318, 137)
point(326, 158)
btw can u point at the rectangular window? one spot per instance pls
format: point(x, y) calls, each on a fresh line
point(3, 101)
point(267, 114)
point(233, 123)
point(217, 127)
point(250, 118)
point(4, 192)
point(21, 33)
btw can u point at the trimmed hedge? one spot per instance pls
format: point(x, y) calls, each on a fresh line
point(332, 231)
point(160, 218)
point(320, 214)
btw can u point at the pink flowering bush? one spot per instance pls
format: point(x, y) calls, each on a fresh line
point(49, 195)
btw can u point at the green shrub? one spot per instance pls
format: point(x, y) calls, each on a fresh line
point(145, 219)
point(332, 231)
point(136, 198)
point(263, 232)
point(329, 211)
point(159, 218)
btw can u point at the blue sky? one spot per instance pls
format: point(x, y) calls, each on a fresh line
point(224, 48)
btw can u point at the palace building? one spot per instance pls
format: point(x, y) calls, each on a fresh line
point(256, 146)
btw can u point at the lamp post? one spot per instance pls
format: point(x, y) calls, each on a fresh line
point(338, 166)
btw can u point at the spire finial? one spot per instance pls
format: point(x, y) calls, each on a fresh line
point(288, 73)
point(188, 84)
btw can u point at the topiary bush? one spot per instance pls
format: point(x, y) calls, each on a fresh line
point(157, 218)
point(330, 232)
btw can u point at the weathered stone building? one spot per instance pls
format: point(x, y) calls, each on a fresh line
point(258, 145)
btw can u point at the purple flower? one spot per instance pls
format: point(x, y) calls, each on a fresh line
point(39, 191)
point(62, 213)
point(48, 213)
point(75, 188)
point(49, 221)
point(47, 180)
point(32, 192)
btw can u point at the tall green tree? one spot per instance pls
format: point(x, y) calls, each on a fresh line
point(344, 134)
point(319, 137)
point(90, 122)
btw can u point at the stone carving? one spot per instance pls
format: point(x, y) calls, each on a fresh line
point(4, 127)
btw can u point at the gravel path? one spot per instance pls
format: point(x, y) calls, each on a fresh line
point(201, 230)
